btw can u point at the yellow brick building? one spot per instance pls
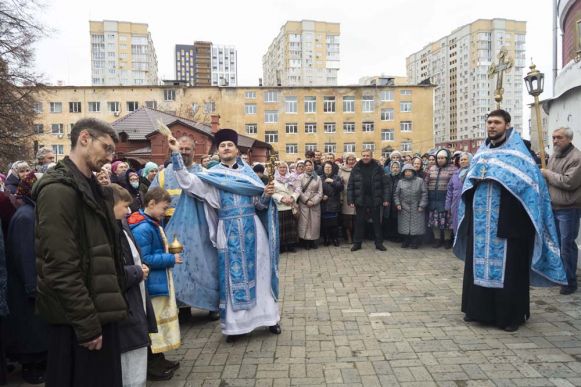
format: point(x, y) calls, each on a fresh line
point(292, 119)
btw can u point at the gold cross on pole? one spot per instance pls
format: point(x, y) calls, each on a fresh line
point(504, 64)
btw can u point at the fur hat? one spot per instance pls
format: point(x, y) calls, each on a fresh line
point(225, 135)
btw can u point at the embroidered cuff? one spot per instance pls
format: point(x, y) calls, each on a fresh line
point(177, 162)
point(264, 200)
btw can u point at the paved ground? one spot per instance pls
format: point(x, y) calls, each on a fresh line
point(390, 318)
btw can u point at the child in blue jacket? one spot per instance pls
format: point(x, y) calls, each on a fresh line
point(149, 235)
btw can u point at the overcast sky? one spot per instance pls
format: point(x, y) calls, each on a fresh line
point(376, 35)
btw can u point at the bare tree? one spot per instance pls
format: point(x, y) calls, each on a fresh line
point(19, 30)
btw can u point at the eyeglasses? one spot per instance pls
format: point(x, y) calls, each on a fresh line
point(110, 149)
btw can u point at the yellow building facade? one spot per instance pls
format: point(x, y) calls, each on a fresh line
point(292, 119)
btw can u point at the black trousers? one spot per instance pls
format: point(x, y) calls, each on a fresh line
point(70, 365)
point(362, 214)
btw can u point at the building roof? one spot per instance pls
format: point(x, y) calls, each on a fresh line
point(143, 121)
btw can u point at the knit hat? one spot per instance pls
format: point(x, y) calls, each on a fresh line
point(25, 185)
point(408, 167)
point(114, 165)
point(149, 166)
point(226, 135)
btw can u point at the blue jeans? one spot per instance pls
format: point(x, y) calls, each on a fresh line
point(567, 221)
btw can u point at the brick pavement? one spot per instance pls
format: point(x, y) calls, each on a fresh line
point(391, 318)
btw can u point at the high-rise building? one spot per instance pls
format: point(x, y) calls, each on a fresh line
point(224, 65)
point(185, 63)
point(305, 53)
point(122, 53)
point(192, 64)
point(203, 63)
point(458, 65)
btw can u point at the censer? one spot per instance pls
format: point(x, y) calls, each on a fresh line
point(175, 247)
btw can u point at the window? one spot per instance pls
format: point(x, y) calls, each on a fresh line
point(405, 107)
point(405, 126)
point(37, 107)
point(311, 127)
point(74, 107)
point(113, 107)
point(292, 148)
point(387, 114)
point(330, 127)
point(58, 149)
point(290, 104)
point(349, 147)
point(195, 107)
point(406, 146)
point(250, 94)
point(291, 129)
point(349, 104)
point(330, 147)
point(387, 134)
point(56, 129)
point(271, 136)
point(368, 126)
point(169, 95)
point(210, 107)
point(56, 107)
point(349, 127)
point(369, 146)
point(271, 96)
point(151, 104)
point(405, 92)
point(367, 104)
point(271, 116)
point(251, 128)
point(250, 108)
point(38, 128)
point(94, 107)
point(310, 147)
point(132, 106)
point(310, 104)
point(329, 104)
point(386, 95)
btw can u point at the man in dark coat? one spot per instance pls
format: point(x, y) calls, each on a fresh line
point(79, 264)
point(367, 191)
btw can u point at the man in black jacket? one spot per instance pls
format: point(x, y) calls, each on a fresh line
point(367, 191)
point(79, 265)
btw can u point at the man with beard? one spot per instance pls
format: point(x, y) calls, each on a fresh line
point(79, 266)
point(194, 286)
point(506, 231)
point(247, 245)
point(563, 175)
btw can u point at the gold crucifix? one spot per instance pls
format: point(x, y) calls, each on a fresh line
point(504, 64)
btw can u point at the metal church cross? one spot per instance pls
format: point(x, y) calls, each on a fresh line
point(504, 64)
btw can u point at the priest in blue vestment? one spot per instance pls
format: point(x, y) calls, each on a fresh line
point(243, 227)
point(506, 234)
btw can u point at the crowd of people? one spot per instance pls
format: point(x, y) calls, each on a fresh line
point(94, 280)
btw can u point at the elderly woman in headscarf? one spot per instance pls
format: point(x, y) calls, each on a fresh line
point(27, 342)
point(437, 178)
point(17, 172)
point(118, 169)
point(347, 212)
point(418, 166)
point(393, 156)
point(310, 189)
point(148, 173)
point(299, 170)
point(330, 204)
point(285, 197)
point(455, 189)
point(390, 214)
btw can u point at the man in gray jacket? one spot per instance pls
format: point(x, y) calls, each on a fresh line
point(563, 174)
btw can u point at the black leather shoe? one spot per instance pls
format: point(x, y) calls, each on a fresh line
point(381, 248)
point(511, 328)
point(275, 329)
point(233, 338)
point(566, 290)
point(214, 315)
point(467, 319)
point(169, 364)
point(405, 244)
point(336, 243)
point(356, 247)
point(291, 249)
point(156, 375)
point(32, 374)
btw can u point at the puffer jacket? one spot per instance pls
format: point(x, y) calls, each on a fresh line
point(147, 234)
point(563, 174)
point(379, 188)
point(78, 259)
point(333, 192)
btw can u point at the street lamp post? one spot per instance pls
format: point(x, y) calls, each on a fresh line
point(535, 82)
